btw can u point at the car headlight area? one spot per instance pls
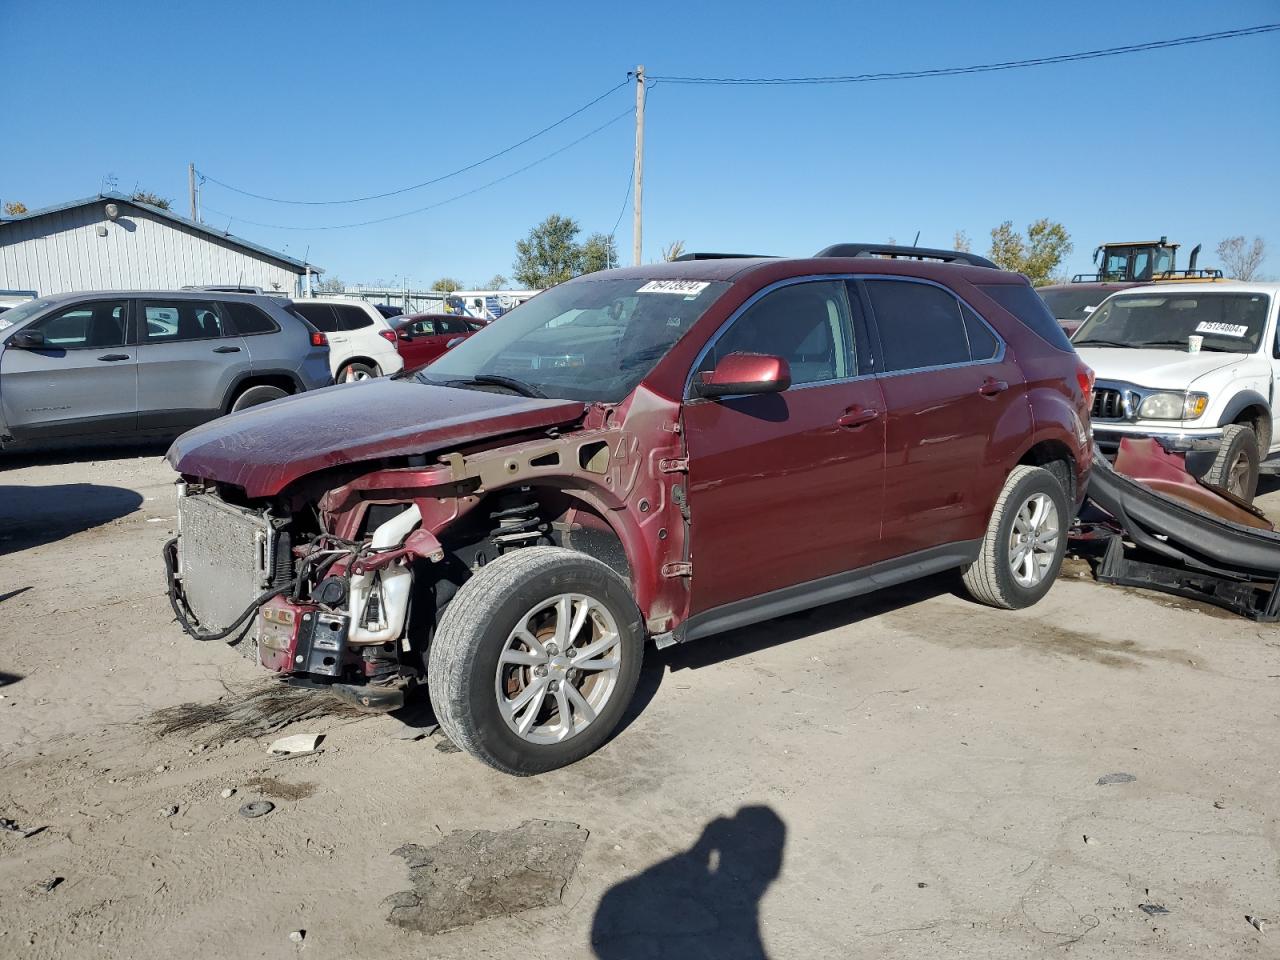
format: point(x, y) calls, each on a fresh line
point(1173, 406)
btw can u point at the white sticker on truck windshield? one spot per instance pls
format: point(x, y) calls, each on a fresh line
point(688, 289)
point(1222, 329)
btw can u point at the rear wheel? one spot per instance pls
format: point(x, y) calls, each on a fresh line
point(535, 659)
point(1235, 468)
point(1025, 542)
point(262, 393)
point(356, 371)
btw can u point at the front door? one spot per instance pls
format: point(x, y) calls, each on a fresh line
point(956, 402)
point(84, 381)
point(187, 362)
point(786, 488)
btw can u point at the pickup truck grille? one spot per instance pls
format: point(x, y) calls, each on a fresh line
point(224, 558)
point(1108, 404)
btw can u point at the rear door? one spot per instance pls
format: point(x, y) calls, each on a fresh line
point(188, 360)
point(786, 488)
point(84, 382)
point(955, 401)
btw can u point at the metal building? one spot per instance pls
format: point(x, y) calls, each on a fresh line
point(110, 242)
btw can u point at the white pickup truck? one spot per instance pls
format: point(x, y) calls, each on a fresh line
point(1194, 365)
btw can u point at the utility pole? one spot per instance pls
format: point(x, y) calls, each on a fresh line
point(191, 188)
point(637, 206)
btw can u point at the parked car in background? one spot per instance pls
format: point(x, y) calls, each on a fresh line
point(120, 363)
point(1194, 365)
point(388, 311)
point(362, 344)
point(1071, 303)
point(666, 451)
point(421, 337)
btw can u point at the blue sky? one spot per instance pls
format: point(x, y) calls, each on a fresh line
point(330, 100)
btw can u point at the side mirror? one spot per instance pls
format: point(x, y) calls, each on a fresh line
point(740, 373)
point(405, 334)
point(454, 342)
point(33, 340)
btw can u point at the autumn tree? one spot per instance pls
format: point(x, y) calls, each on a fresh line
point(446, 285)
point(152, 199)
point(550, 254)
point(15, 208)
point(1240, 261)
point(330, 285)
point(1037, 255)
point(599, 252)
point(960, 242)
point(496, 282)
point(673, 250)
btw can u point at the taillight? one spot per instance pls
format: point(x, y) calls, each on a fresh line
point(387, 335)
point(318, 339)
point(1084, 377)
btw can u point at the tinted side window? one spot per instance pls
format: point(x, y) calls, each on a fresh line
point(170, 321)
point(1025, 304)
point(246, 319)
point(452, 326)
point(982, 342)
point(353, 318)
point(807, 324)
point(320, 316)
point(920, 325)
point(423, 328)
point(84, 326)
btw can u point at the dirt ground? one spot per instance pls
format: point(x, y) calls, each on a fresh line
point(908, 775)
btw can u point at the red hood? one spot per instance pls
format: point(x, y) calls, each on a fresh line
point(264, 449)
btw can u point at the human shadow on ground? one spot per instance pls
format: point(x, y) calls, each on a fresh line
point(703, 902)
point(35, 515)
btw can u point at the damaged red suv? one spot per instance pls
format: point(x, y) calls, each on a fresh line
point(657, 453)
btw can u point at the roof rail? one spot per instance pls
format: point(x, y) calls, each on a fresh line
point(907, 253)
point(719, 256)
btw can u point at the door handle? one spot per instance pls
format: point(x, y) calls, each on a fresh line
point(226, 350)
point(991, 387)
point(858, 417)
point(114, 356)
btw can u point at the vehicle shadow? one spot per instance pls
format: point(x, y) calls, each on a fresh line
point(703, 902)
point(770, 633)
point(8, 679)
point(35, 515)
point(59, 454)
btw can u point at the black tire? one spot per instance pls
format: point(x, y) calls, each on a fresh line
point(462, 664)
point(990, 579)
point(1235, 468)
point(254, 396)
point(356, 371)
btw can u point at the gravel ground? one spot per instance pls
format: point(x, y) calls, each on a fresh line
point(909, 775)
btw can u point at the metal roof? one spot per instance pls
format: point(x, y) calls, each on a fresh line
point(204, 228)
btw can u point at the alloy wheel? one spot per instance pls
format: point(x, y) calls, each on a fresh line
point(1033, 541)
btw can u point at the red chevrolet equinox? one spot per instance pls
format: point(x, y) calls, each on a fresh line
point(658, 453)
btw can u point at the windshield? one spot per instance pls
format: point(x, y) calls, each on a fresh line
point(586, 340)
point(1228, 322)
point(15, 315)
point(1071, 304)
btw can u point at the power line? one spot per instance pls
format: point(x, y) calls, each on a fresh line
point(425, 183)
point(440, 203)
point(986, 67)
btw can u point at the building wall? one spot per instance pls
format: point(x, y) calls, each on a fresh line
point(62, 252)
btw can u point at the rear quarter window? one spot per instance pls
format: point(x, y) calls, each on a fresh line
point(246, 319)
point(319, 315)
point(1023, 302)
point(353, 318)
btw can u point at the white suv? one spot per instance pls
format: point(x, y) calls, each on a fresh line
point(1194, 365)
point(361, 342)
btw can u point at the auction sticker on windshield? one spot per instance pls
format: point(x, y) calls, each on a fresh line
point(1222, 329)
point(689, 289)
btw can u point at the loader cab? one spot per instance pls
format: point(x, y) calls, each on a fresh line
point(1137, 262)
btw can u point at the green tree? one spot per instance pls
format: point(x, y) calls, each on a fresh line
point(1240, 261)
point(600, 252)
point(15, 208)
point(1037, 255)
point(550, 254)
point(154, 199)
point(446, 285)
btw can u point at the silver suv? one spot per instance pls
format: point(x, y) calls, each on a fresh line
point(123, 363)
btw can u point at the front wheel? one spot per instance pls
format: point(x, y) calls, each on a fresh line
point(1025, 542)
point(535, 660)
point(1235, 468)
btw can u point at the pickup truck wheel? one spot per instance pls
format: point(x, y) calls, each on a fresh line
point(1025, 542)
point(1235, 468)
point(535, 660)
point(262, 393)
point(356, 371)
